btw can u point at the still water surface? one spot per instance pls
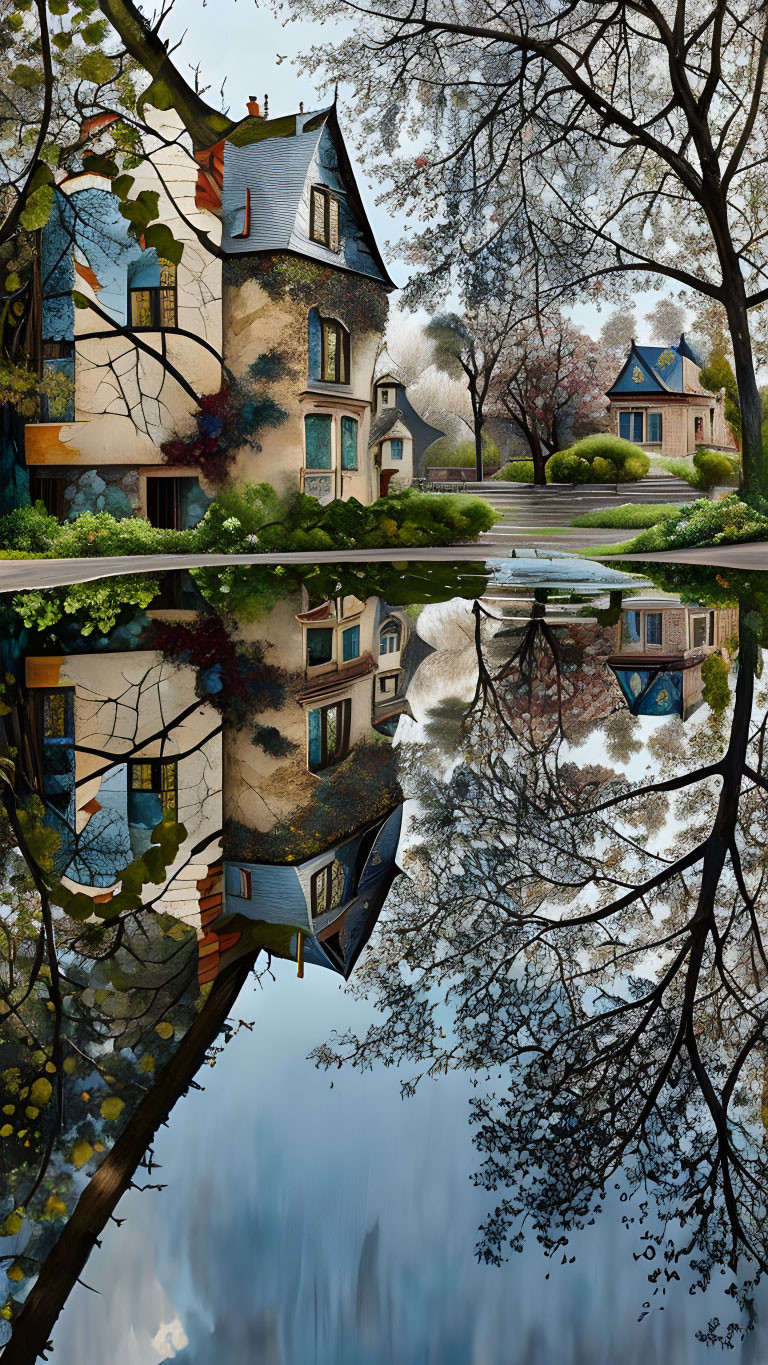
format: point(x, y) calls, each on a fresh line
point(427, 794)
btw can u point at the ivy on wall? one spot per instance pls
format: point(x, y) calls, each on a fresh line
point(231, 419)
point(361, 304)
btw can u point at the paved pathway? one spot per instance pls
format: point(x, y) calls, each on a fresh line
point(751, 556)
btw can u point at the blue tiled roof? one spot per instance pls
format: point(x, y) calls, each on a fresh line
point(656, 378)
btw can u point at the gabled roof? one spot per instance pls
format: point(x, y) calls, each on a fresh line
point(662, 369)
point(382, 423)
point(269, 166)
point(641, 372)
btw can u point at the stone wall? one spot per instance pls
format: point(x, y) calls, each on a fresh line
point(111, 488)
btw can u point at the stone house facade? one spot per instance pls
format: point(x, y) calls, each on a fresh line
point(658, 402)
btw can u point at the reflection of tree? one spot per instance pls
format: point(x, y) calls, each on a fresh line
point(104, 1027)
point(603, 943)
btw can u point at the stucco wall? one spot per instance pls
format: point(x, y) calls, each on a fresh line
point(126, 402)
point(255, 323)
point(121, 700)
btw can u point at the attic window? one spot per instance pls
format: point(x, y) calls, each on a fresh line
point(324, 218)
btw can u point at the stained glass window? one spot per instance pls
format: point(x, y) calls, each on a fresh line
point(155, 305)
point(317, 433)
point(348, 443)
point(335, 357)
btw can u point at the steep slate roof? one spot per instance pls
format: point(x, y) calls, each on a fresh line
point(667, 378)
point(382, 423)
point(422, 434)
point(277, 160)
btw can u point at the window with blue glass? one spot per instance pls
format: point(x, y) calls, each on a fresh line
point(396, 450)
point(351, 643)
point(631, 426)
point(319, 646)
point(654, 427)
point(349, 443)
point(653, 628)
point(327, 734)
point(318, 440)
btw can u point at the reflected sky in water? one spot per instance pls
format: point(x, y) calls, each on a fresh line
point(306, 1224)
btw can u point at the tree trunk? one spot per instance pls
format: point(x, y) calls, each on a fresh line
point(752, 477)
point(478, 446)
point(64, 1264)
point(539, 458)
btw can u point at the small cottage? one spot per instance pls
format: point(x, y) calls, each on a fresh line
point(399, 437)
point(658, 402)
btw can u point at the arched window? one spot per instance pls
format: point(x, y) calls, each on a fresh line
point(390, 637)
point(152, 293)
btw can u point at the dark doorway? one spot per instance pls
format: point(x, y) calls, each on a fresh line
point(48, 490)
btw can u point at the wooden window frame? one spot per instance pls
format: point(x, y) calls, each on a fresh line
point(156, 766)
point(343, 724)
point(246, 883)
point(324, 217)
point(341, 363)
point(163, 302)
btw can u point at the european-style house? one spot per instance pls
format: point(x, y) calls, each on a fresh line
point(658, 402)
point(277, 304)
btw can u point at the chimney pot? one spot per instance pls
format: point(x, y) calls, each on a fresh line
point(253, 107)
point(266, 106)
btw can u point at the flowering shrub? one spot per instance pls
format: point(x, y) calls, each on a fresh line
point(229, 420)
point(734, 518)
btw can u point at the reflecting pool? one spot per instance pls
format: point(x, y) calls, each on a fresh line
point(383, 967)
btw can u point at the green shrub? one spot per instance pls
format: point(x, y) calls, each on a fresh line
point(565, 467)
point(680, 469)
point(714, 467)
point(629, 516)
point(29, 529)
point(603, 471)
point(726, 522)
point(714, 676)
point(630, 461)
point(518, 471)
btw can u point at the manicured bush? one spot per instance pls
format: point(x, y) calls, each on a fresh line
point(680, 469)
point(28, 529)
point(603, 471)
point(629, 460)
point(714, 676)
point(252, 518)
point(518, 471)
point(565, 467)
point(629, 516)
point(714, 467)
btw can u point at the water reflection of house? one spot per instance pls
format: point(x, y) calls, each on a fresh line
point(660, 647)
point(123, 742)
point(332, 900)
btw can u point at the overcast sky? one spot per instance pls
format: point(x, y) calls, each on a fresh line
point(241, 43)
